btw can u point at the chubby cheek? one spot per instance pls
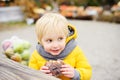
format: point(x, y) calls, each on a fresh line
point(46, 48)
point(63, 46)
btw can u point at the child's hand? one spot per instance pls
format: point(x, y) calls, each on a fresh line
point(67, 70)
point(45, 70)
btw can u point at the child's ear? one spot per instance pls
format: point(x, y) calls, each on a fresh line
point(38, 42)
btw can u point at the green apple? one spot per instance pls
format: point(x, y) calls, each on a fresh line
point(26, 44)
point(16, 57)
point(25, 55)
point(18, 47)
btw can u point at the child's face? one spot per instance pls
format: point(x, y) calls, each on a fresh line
point(53, 43)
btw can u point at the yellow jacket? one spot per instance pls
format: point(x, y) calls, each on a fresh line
point(75, 58)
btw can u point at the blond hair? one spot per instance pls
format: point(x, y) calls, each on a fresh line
point(51, 22)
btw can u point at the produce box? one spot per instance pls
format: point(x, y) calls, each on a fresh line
point(17, 49)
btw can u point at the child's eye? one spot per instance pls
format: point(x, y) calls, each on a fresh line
point(49, 40)
point(61, 38)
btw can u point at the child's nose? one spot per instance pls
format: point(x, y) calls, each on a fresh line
point(55, 44)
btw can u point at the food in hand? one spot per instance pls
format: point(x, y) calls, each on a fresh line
point(55, 66)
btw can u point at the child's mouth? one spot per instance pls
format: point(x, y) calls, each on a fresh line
point(55, 51)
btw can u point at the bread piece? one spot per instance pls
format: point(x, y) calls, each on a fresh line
point(54, 67)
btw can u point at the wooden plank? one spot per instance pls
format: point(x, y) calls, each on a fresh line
point(11, 70)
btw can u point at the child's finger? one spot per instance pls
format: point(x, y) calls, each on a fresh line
point(64, 70)
point(44, 68)
point(65, 66)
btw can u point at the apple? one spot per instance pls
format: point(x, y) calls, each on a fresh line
point(25, 55)
point(6, 44)
point(9, 52)
point(16, 57)
point(26, 44)
point(18, 46)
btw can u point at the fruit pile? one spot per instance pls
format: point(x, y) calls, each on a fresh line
point(17, 49)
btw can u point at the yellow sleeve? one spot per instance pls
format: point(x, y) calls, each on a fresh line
point(33, 61)
point(36, 61)
point(83, 66)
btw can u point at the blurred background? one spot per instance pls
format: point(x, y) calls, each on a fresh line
point(97, 23)
point(100, 10)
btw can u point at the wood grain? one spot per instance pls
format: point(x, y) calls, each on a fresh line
point(11, 70)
